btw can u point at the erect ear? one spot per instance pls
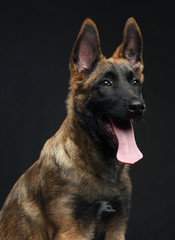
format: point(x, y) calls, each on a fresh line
point(132, 45)
point(86, 51)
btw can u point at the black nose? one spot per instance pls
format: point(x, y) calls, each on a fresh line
point(136, 107)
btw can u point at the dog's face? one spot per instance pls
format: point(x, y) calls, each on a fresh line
point(107, 92)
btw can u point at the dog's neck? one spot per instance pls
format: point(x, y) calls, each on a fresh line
point(89, 156)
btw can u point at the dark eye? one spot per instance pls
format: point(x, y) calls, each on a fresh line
point(106, 83)
point(135, 82)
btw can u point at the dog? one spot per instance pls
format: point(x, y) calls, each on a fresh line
point(80, 187)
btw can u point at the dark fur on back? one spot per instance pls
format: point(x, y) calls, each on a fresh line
point(78, 189)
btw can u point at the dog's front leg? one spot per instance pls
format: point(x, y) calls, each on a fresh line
point(75, 232)
point(116, 229)
point(71, 235)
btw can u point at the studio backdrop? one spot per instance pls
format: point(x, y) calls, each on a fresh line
point(35, 46)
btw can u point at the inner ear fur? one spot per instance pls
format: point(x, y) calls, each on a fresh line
point(86, 50)
point(132, 45)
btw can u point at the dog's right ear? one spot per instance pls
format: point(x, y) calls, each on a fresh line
point(86, 51)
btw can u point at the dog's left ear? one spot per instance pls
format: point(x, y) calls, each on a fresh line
point(86, 51)
point(132, 45)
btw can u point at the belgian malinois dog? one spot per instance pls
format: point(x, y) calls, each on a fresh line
point(79, 189)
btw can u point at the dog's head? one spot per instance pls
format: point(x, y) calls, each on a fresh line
point(106, 93)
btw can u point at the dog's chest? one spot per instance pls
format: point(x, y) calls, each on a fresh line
point(100, 210)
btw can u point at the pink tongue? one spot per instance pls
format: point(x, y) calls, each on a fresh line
point(128, 151)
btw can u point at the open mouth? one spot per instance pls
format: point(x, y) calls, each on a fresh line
point(122, 133)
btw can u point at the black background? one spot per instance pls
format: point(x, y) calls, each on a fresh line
point(35, 44)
